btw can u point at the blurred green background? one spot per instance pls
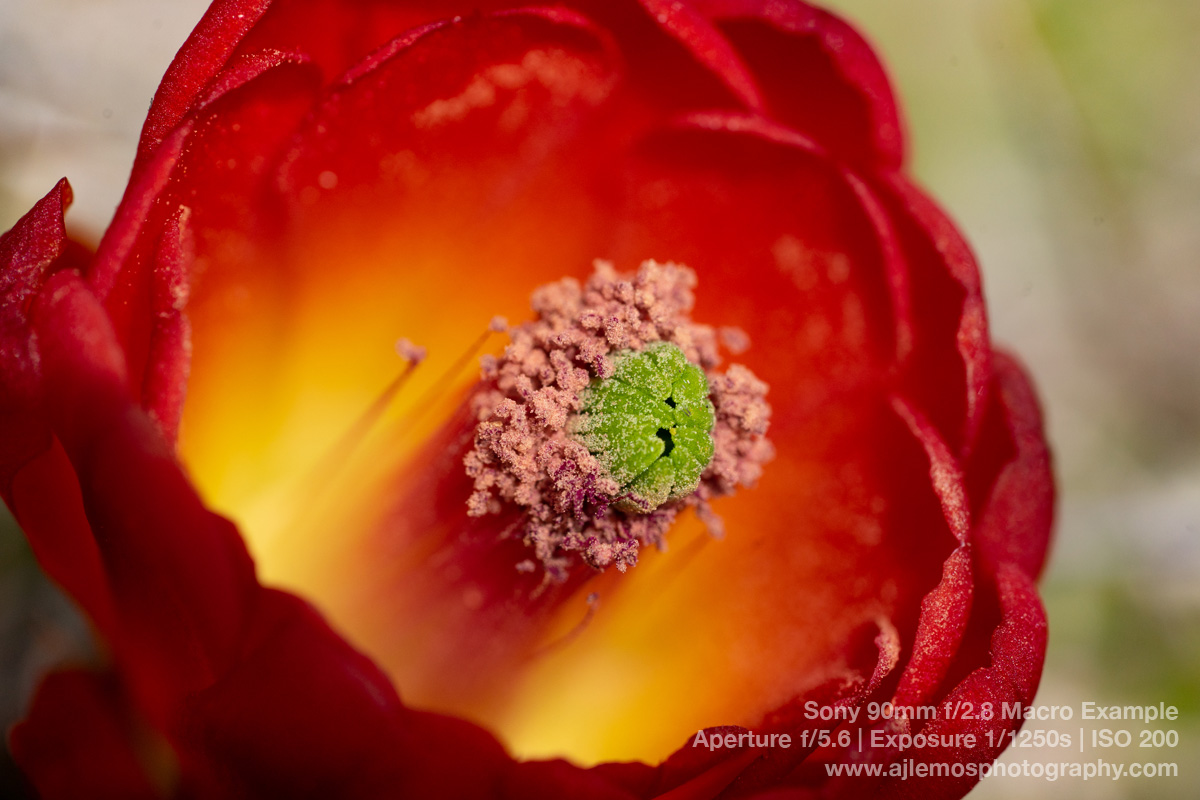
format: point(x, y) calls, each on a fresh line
point(1063, 136)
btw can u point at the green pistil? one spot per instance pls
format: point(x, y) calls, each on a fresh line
point(650, 425)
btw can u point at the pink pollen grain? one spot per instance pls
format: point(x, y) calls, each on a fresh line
point(412, 353)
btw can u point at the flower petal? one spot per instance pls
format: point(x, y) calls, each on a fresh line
point(945, 613)
point(345, 727)
point(144, 267)
point(36, 481)
point(1018, 648)
point(949, 374)
point(76, 741)
point(1017, 515)
point(27, 254)
point(689, 26)
point(203, 54)
point(207, 647)
point(818, 75)
point(784, 247)
point(44, 498)
point(179, 598)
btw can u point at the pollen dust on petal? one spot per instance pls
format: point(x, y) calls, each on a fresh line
point(564, 76)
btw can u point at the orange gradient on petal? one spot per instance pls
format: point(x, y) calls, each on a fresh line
point(711, 632)
point(291, 345)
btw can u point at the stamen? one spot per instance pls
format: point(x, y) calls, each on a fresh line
point(446, 381)
point(412, 353)
point(593, 604)
point(595, 475)
point(339, 455)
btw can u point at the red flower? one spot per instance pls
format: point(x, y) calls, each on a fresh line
point(317, 177)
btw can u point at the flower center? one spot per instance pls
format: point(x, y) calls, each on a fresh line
point(650, 425)
point(606, 417)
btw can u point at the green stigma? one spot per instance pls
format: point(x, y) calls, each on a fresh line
point(650, 425)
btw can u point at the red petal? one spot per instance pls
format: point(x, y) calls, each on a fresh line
point(27, 253)
point(950, 370)
point(680, 60)
point(213, 654)
point(180, 577)
point(944, 615)
point(1016, 517)
point(774, 765)
point(301, 713)
point(945, 474)
point(150, 177)
point(785, 248)
point(689, 26)
point(77, 741)
point(1018, 649)
point(36, 481)
point(143, 275)
point(203, 54)
point(117, 276)
point(336, 38)
point(165, 383)
point(818, 76)
point(44, 498)
point(388, 103)
point(551, 780)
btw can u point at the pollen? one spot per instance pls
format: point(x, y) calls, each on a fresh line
point(608, 415)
